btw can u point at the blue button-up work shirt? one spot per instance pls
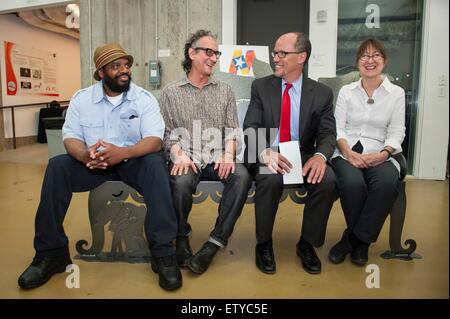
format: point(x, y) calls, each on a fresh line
point(91, 117)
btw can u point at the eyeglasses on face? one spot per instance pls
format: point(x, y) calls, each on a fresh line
point(376, 57)
point(282, 54)
point(209, 52)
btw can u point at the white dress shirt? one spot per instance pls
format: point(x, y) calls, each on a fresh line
point(375, 125)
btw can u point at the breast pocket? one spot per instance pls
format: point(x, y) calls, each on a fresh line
point(93, 130)
point(131, 129)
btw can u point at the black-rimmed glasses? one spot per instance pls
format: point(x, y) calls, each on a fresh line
point(209, 52)
point(282, 54)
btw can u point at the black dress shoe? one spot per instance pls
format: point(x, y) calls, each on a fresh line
point(340, 250)
point(169, 272)
point(360, 255)
point(310, 262)
point(184, 251)
point(42, 269)
point(265, 259)
point(200, 262)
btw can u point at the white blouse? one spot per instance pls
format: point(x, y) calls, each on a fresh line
point(375, 125)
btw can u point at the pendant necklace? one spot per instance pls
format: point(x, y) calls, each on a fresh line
point(370, 99)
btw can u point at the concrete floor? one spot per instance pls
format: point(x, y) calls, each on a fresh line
point(233, 273)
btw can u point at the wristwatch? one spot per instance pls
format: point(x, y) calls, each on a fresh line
point(387, 151)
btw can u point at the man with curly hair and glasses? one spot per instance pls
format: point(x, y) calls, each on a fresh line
point(198, 101)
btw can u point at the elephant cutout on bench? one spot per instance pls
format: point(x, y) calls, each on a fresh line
point(108, 205)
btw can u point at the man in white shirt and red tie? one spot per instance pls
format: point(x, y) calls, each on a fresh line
point(300, 109)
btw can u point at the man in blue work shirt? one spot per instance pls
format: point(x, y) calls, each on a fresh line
point(113, 131)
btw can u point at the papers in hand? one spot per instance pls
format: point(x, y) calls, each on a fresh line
point(291, 150)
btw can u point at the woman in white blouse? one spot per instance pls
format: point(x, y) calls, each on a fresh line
point(370, 122)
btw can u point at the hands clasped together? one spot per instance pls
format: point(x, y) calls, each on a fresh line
point(102, 155)
point(365, 160)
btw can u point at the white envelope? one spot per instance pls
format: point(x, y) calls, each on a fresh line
point(291, 150)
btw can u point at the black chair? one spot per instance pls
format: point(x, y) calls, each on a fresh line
point(54, 110)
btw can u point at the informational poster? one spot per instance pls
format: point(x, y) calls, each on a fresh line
point(238, 59)
point(29, 72)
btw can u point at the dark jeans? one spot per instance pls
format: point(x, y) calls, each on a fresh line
point(366, 196)
point(319, 201)
point(233, 199)
point(65, 175)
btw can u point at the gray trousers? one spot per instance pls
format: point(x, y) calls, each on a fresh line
point(234, 195)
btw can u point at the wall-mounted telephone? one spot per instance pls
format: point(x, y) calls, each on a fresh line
point(155, 72)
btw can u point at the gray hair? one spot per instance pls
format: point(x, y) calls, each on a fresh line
point(192, 43)
point(302, 44)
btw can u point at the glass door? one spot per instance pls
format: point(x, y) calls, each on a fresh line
point(399, 25)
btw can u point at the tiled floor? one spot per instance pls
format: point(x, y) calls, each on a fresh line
point(233, 273)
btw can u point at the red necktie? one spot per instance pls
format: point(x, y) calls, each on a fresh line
point(285, 122)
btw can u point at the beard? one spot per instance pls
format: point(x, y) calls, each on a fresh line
point(114, 85)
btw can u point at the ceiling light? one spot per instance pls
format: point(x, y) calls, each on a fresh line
point(72, 16)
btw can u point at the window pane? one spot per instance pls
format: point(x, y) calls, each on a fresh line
point(398, 24)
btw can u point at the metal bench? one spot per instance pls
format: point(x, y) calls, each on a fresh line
point(122, 207)
point(111, 203)
point(108, 203)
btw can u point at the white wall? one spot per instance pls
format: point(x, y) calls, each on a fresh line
point(433, 108)
point(15, 30)
point(229, 21)
point(7, 6)
point(323, 36)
